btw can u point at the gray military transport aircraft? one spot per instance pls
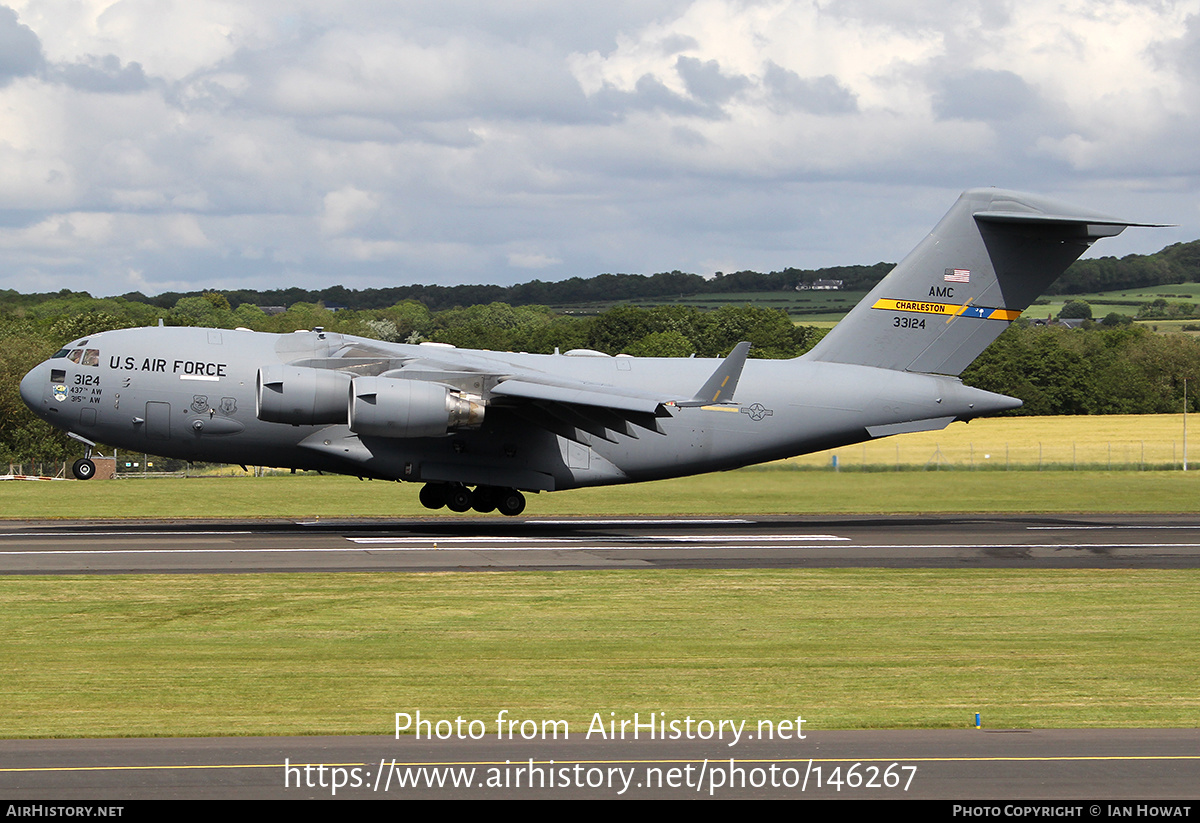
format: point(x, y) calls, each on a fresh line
point(478, 428)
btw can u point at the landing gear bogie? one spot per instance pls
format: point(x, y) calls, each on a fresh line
point(483, 499)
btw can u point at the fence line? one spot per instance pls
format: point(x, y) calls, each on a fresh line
point(36, 468)
point(897, 454)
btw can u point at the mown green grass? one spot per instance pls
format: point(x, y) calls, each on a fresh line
point(768, 491)
point(845, 648)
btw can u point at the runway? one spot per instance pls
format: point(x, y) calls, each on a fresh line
point(1088, 768)
point(448, 544)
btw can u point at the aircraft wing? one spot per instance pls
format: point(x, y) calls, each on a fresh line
point(719, 388)
point(550, 400)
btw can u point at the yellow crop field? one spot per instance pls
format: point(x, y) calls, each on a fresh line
point(1116, 441)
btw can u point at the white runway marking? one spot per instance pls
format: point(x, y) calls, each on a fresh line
point(87, 535)
point(652, 521)
point(670, 538)
point(450, 545)
point(1086, 528)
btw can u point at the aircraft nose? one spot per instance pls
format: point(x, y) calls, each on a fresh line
point(31, 386)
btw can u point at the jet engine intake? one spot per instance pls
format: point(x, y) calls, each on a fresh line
point(300, 396)
point(386, 407)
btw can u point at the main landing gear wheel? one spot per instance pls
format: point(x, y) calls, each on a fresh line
point(83, 469)
point(458, 498)
point(483, 499)
point(433, 495)
point(510, 503)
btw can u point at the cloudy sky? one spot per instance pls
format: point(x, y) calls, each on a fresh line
point(180, 144)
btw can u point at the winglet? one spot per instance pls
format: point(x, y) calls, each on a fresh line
point(720, 387)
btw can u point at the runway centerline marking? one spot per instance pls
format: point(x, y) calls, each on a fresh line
point(673, 538)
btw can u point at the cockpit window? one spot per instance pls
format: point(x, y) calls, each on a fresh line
point(59, 353)
point(84, 357)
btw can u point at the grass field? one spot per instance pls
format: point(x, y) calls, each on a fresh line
point(823, 308)
point(339, 654)
point(742, 492)
point(1121, 463)
point(1126, 301)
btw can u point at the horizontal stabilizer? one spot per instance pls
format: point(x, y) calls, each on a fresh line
point(929, 425)
point(1094, 227)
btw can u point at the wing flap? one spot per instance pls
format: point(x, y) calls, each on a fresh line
point(609, 397)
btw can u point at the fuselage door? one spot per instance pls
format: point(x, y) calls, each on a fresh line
point(158, 420)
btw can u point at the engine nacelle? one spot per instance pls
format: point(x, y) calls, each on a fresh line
point(301, 396)
point(384, 407)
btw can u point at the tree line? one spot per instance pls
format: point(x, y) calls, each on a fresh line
point(603, 288)
point(1178, 263)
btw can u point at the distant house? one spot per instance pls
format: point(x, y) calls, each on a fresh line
point(820, 285)
point(1065, 322)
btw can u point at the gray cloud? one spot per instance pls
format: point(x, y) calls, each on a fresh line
point(20, 48)
point(706, 82)
point(707, 89)
point(103, 75)
point(982, 94)
point(649, 94)
point(675, 43)
point(818, 95)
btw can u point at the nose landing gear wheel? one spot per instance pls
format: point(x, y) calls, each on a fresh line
point(83, 469)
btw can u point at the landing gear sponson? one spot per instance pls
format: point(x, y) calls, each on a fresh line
point(458, 498)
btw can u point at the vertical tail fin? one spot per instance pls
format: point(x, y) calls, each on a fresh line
point(984, 263)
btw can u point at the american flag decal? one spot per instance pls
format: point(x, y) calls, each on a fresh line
point(957, 276)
